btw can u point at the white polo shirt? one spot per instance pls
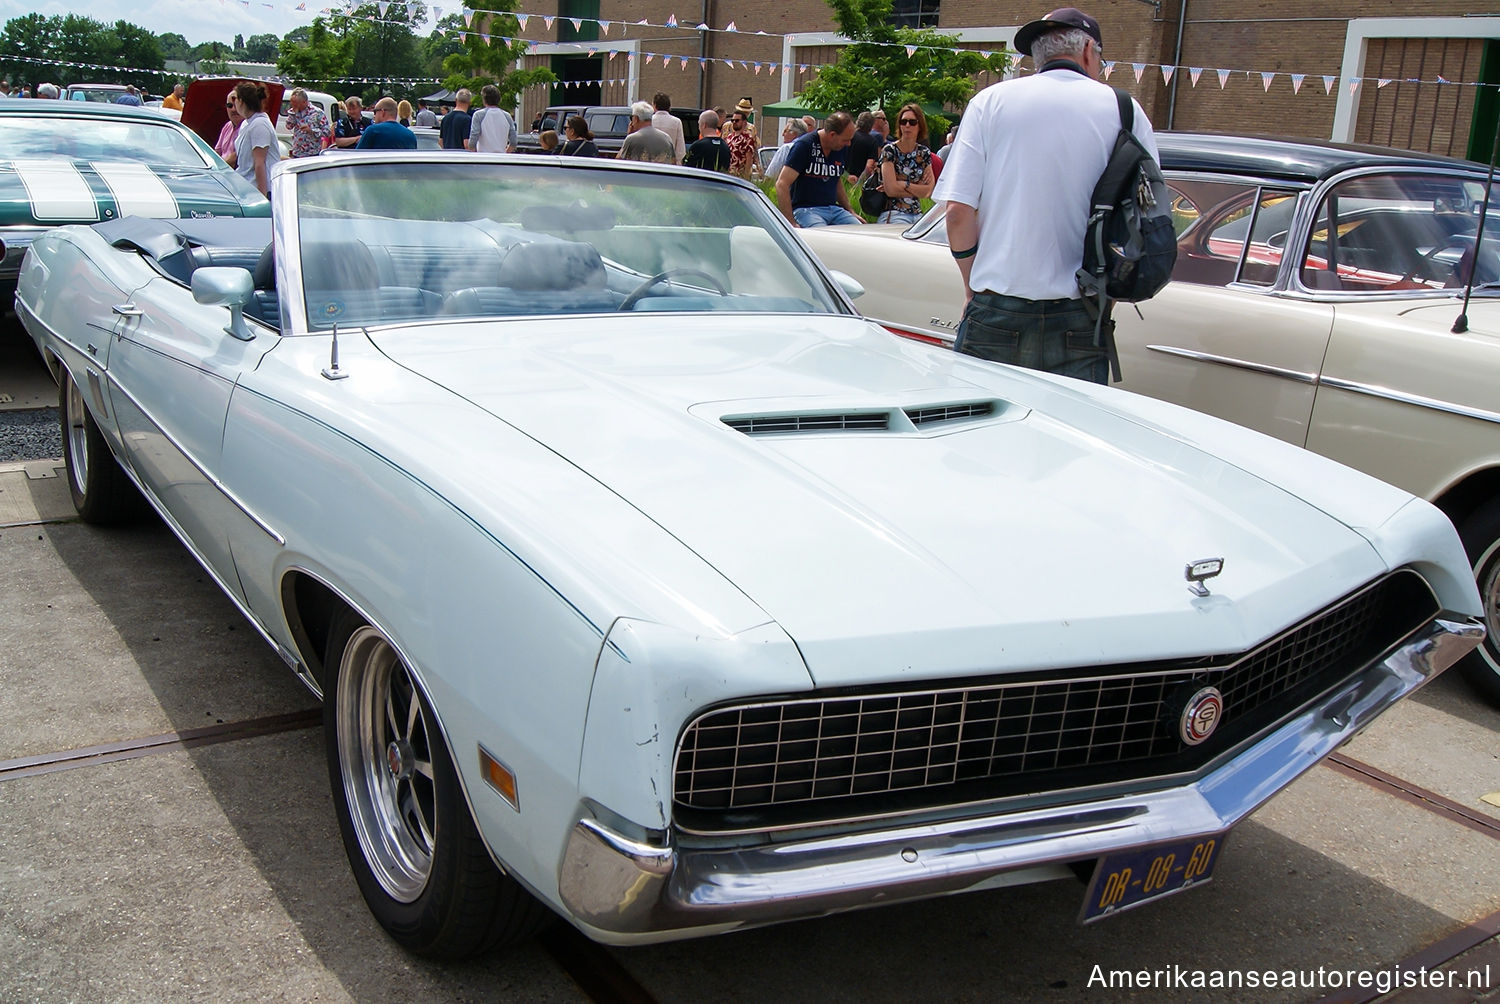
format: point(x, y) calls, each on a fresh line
point(1027, 157)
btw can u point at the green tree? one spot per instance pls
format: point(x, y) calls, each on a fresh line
point(262, 48)
point(479, 62)
point(136, 48)
point(326, 57)
point(173, 46)
point(385, 47)
point(875, 71)
point(442, 43)
point(239, 45)
point(31, 35)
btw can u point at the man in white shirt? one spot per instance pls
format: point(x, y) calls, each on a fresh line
point(663, 119)
point(1018, 186)
point(793, 130)
point(492, 129)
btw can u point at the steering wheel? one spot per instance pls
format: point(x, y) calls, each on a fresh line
point(1427, 259)
point(640, 291)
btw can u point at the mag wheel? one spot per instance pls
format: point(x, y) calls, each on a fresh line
point(416, 854)
point(101, 492)
point(1481, 537)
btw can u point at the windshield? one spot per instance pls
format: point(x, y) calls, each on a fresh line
point(163, 144)
point(398, 242)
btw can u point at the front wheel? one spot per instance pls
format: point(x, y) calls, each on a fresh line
point(415, 852)
point(102, 493)
point(1481, 537)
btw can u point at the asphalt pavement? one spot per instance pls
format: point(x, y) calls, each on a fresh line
point(167, 833)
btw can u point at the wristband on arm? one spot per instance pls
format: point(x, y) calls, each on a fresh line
point(965, 254)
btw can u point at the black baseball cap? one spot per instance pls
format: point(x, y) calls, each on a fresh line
point(1065, 17)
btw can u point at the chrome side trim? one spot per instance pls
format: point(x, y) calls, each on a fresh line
point(1416, 400)
point(624, 890)
point(1244, 364)
point(223, 489)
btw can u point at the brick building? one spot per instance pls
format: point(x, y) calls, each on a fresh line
point(1314, 68)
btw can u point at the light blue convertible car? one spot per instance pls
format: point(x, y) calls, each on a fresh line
point(647, 584)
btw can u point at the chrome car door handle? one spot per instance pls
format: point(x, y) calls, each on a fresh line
point(128, 310)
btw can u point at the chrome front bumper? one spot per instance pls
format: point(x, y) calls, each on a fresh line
point(623, 890)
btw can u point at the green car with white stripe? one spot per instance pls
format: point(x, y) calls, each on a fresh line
point(70, 162)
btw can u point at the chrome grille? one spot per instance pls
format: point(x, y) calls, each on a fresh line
point(770, 425)
point(950, 413)
point(1022, 734)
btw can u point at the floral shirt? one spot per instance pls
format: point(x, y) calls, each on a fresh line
point(309, 128)
point(909, 167)
point(741, 152)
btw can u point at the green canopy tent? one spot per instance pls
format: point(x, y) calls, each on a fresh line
point(791, 108)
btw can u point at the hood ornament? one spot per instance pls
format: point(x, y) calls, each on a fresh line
point(1199, 571)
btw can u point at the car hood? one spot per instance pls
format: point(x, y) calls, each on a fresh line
point(1052, 531)
point(60, 191)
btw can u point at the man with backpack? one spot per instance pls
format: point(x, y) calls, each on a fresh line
point(1020, 186)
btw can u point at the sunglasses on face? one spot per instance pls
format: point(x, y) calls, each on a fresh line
point(908, 121)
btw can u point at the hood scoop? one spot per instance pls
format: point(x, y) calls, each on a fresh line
point(913, 419)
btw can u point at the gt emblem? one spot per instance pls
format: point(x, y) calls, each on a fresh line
point(1201, 716)
point(1198, 571)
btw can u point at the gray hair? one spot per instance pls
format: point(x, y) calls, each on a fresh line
point(708, 119)
point(798, 126)
point(300, 93)
point(642, 110)
point(864, 122)
point(464, 96)
point(1056, 44)
point(46, 90)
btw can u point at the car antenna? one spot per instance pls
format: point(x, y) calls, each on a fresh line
point(332, 371)
point(1461, 323)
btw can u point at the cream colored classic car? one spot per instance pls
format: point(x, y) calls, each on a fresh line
point(1345, 346)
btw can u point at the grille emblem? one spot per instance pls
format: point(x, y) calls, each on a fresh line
point(1201, 716)
point(1198, 571)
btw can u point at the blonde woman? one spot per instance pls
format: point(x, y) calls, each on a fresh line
point(403, 113)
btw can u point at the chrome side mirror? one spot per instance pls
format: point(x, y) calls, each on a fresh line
point(226, 287)
point(850, 285)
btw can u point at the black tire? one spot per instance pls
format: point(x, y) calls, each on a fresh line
point(416, 855)
point(1480, 533)
point(102, 493)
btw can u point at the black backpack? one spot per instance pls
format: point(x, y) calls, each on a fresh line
point(1129, 247)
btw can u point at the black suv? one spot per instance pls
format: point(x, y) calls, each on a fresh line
point(610, 124)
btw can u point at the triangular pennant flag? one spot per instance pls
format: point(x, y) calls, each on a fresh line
point(463, 38)
point(437, 12)
point(702, 63)
point(1266, 78)
point(1166, 74)
point(468, 17)
point(644, 22)
point(671, 20)
point(648, 57)
point(382, 6)
point(485, 37)
point(985, 53)
point(521, 20)
point(1139, 68)
point(1385, 80)
point(577, 23)
point(547, 19)
point(592, 50)
point(1109, 68)
point(731, 27)
point(757, 69)
point(683, 64)
point(1328, 84)
point(1441, 80)
point(702, 26)
point(911, 50)
point(613, 53)
point(1297, 79)
point(1223, 78)
point(604, 27)
point(1354, 84)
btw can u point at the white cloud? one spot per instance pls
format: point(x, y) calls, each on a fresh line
point(196, 20)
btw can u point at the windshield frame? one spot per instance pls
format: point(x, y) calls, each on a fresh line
point(290, 229)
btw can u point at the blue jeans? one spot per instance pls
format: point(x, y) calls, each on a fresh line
point(823, 216)
point(897, 216)
point(1055, 336)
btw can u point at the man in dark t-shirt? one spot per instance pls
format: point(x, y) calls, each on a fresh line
point(810, 189)
point(455, 127)
point(863, 148)
point(709, 152)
